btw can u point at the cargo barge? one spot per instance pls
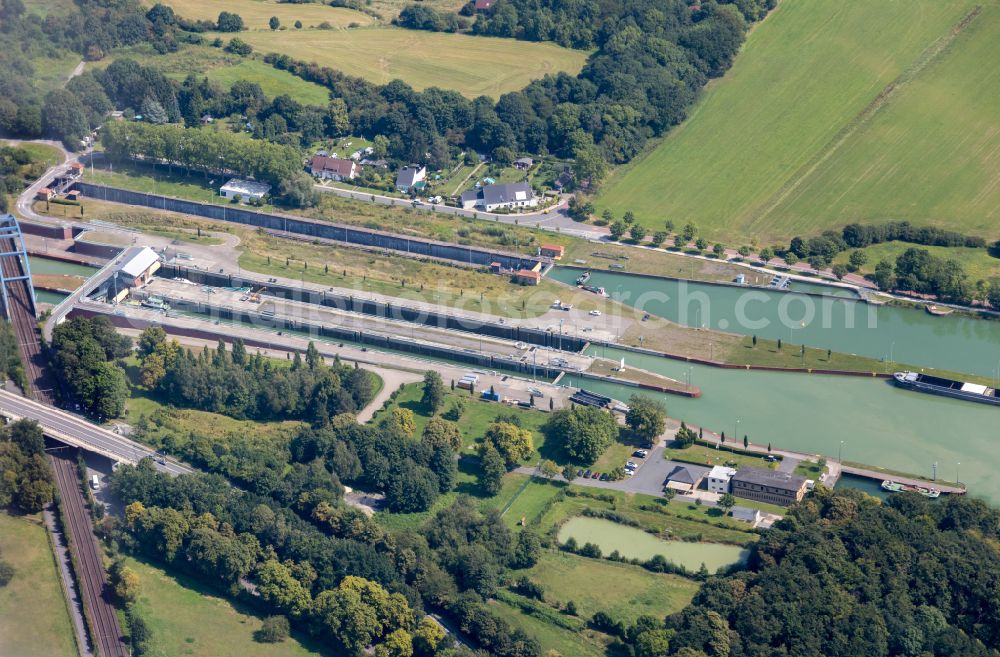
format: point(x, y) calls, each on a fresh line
point(937, 385)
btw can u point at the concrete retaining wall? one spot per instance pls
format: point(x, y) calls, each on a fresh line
point(97, 250)
point(52, 231)
point(380, 309)
point(313, 228)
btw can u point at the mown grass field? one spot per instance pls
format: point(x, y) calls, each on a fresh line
point(473, 66)
point(186, 618)
point(256, 13)
point(622, 590)
point(782, 144)
point(34, 621)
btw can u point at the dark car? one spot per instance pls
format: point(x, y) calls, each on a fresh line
point(604, 476)
point(579, 473)
point(770, 459)
point(586, 474)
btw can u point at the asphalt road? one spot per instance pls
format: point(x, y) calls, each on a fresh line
point(62, 426)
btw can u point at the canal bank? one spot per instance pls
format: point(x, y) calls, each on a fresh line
point(877, 422)
point(892, 333)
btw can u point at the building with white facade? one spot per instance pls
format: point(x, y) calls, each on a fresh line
point(718, 479)
point(244, 189)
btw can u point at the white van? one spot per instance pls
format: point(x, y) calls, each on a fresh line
point(95, 482)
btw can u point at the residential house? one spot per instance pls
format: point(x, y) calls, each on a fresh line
point(207, 119)
point(44, 194)
point(507, 196)
point(244, 190)
point(752, 516)
point(333, 168)
point(554, 251)
point(526, 277)
point(524, 163)
point(718, 479)
point(563, 180)
point(770, 486)
point(411, 177)
point(75, 170)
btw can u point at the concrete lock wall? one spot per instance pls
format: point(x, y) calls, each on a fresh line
point(96, 249)
point(350, 303)
point(321, 229)
point(255, 318)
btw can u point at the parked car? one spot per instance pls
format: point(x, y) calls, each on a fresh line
point(586, 474)
point(640, 453)
point(770, 459)
point(579, 473)
point(596, 475)
point(604, 476)
point(631, 464)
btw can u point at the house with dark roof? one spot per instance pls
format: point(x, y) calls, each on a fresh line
point(333, 168)
point(683, 480)
point(508, 196)
point(524, 163)
point(770, 486)
point(411, 177)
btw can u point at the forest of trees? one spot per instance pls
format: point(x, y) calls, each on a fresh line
point(250, 386)
point(337, 576)
point(844, 575)
point(26, 484)
point(86, 357)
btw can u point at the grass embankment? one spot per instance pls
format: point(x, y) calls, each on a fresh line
point(257, 13)
point(656, 263)
point(709, 456)
point(34, 620)
point(187, 618)
point(806, 155)
point(472, 65)
point(978, 263)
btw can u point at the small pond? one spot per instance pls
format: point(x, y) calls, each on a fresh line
point(637, 544)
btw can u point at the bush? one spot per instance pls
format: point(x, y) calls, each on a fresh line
point(274, 630)
point(6, 573)
point(591, 550)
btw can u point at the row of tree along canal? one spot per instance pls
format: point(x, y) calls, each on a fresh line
point(894, 333)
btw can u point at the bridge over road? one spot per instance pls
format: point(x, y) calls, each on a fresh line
point(78, 432)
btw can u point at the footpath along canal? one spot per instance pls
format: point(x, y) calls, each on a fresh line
point(880, 424)
point(905, 335)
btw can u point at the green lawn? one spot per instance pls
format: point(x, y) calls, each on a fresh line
point(34, 620)
point(709, 456)
point(43, 153)
point(622, 590)
point(271, 80)
point(53, 72)
point(804, 154)
point(186, 618)
point(471, 65)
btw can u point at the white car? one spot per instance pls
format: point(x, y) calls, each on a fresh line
point(595, 313)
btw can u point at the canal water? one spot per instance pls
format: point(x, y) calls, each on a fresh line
point(634, 543)
point(40, 265)
point(906, 335)
point(879, 423)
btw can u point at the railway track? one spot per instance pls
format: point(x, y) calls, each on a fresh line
point(107, 635)
point(101, 613)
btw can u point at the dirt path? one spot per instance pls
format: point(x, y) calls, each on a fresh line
point(391, 380)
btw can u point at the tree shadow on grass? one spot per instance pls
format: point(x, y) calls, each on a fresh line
point(240, 604)
point(469, 465)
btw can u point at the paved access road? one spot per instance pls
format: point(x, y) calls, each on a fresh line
point(77, 431)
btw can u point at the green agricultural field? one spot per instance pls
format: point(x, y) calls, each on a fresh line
point(471, 65)
point(257, 13)
point(34, 620)
point(807, 132)
point(622, 590)
point(186, 618)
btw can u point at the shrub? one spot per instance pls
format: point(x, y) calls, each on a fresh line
point(274, 630)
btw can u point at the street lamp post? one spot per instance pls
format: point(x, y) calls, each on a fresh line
point(957, 479)
point(840, 451)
